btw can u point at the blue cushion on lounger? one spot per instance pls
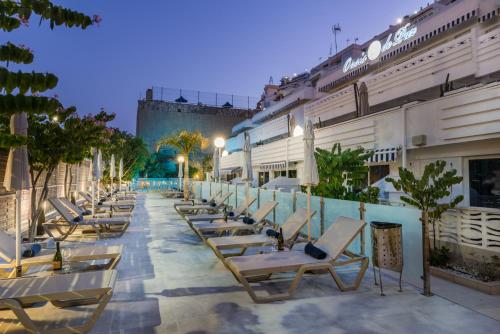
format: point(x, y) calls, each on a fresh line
point(314, 251)
point(32, 251)
point(272, 233)
point(78, 219)
point(248, 220)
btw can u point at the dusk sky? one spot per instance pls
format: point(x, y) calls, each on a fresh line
point(225, 46)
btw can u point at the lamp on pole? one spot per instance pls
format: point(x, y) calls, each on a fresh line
point(180, 160)
point(219, 142)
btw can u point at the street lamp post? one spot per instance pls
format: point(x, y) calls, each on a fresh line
point(219, 142)
point(180, 160)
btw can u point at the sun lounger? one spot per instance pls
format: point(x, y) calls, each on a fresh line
point(241, 209)
point(195, 209)
point(123, 207)
point(334, 242)
point(220, 226)
point(39, 262)
point(14, 293)
point(291, 229)
point(196, 202)
point(98, 213)
point(67, 224)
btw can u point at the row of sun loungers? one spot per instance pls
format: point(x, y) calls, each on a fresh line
point(240, 236)
point(93, 286)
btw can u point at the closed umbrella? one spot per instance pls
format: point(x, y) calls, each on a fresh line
point(180, 175)
point(216, 159)
point(100, 163)
point(96, 176)
point(246, 164)
point(112, 170)
point(120, 173)
point(310, 175)
point(17, 176)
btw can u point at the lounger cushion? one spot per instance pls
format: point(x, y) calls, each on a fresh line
point(315, 252)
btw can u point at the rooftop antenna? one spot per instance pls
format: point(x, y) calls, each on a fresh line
point(331, 46)
point(271, 81)
point(348, 41)
point(356, 40)
point(336, 28)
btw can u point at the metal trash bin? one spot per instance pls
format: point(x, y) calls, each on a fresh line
point(387, 249)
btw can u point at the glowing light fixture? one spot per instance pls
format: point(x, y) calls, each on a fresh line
point(225, 153)
point(219, 142)
point(180, 159)
point(298, 131)
point(399, 20)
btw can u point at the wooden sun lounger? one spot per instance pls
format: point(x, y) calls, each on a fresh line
point(114, 207)
point(334, 242)
point(15, 293)
point(82, 254)
point(196, 202)
point(220, 226)
point(66, 226)
point(291, 229)
point(241, 209)
point(195, 209)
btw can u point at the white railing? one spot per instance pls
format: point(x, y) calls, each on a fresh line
point(473, 227)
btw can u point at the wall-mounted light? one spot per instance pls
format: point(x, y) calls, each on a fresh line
point(298, 131)
point(225, 153)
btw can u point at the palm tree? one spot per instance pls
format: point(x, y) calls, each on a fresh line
point(186, 142)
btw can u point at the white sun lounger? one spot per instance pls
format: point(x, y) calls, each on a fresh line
point(291, 229)
point(220, 226)
point(95, 285)
point(125, 207)
point(199, 201)
point(39, 262)
point(66, 225)
point(241, 209)
point(195, 209)
point(334, 242)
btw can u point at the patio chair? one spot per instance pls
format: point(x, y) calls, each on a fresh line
point(334, 242)
point(197, 202)
point(123, 207)
point(220, 226)
point(70, 221)
point(39, 262)
point(241, 209)
point(15, 294)
point(195, 209)
point(291, 229)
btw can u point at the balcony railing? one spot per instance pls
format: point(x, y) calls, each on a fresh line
point(301, 96)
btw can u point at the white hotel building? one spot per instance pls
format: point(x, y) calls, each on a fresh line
point(415, 115)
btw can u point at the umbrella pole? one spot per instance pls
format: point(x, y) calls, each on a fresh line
point(247, 191)
point(19, 268)
point(309, 213)
point(93, 198)
point(98, 193)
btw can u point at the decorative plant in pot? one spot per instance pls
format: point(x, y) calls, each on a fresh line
point(428, 194)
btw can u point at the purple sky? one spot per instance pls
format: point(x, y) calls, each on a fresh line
point(225, 46)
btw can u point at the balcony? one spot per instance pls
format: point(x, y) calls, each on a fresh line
point(303, 95)
point(242, 126)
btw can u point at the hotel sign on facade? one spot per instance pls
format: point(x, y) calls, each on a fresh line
point(376, 47)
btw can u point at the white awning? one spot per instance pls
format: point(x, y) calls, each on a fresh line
point(384, 155)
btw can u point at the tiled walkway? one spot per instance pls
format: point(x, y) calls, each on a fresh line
point(170, 283)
